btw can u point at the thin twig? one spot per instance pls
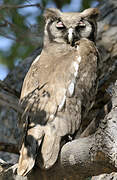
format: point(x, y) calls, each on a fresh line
point(7, 36)
point(19, 6)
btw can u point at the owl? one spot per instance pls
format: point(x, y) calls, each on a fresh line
point(60, 86)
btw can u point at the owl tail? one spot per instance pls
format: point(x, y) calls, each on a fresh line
point(29, 149)
point(50, 147)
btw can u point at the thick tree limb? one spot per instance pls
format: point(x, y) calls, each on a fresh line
point(112, 176)
point(9, 100)
point(6, 87)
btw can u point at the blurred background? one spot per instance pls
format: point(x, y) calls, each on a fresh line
point(21, 27)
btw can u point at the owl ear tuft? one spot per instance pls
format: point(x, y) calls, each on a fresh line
point(51, 13)
point(91, 13)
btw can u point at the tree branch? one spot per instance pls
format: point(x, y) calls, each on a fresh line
point(8, 147)
point(9, 6)
point(9, 100)
point(6, 87)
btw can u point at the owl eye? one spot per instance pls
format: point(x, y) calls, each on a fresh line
point(81, 24)
point(60, 25)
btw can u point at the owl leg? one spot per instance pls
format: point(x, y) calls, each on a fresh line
point(51, 146)
point(29, 149)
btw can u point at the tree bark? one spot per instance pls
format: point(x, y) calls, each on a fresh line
point(95, 152)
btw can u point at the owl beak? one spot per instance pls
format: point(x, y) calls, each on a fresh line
point(70, 35)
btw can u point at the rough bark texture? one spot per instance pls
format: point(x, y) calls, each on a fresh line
point(95, 152)
point(110, 176)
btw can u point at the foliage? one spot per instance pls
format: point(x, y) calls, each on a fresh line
point(24, 26)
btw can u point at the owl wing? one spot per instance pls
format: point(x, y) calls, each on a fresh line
point(48, 92)
point(43, 95)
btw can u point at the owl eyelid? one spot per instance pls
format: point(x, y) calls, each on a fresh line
point(60, 25)
point(81, 24)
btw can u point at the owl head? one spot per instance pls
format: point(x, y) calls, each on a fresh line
point(70, 27)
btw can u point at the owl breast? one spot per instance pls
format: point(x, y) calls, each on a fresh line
point(67, 78)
